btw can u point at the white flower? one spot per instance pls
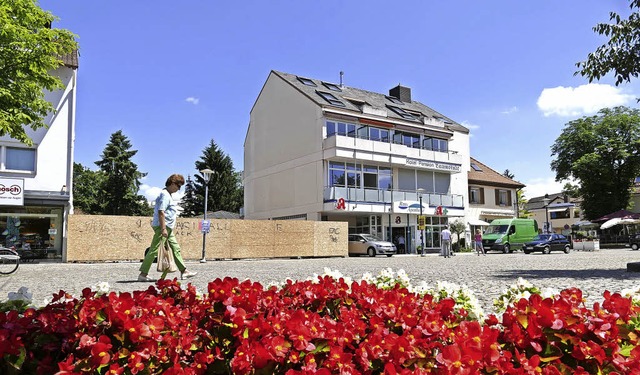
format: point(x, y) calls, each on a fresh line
point(101, 288)
point(21, 295)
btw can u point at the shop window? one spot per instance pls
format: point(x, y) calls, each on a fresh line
point(34, 231)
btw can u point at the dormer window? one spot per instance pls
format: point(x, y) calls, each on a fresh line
point(330, 98)
point(307, 81)
point(332, 86)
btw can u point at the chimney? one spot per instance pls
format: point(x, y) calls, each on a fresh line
point(401, 92)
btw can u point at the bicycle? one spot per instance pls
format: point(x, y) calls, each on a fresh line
point(9, 261)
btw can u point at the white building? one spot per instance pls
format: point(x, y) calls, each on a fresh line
point(33, 213)
point(316, 150)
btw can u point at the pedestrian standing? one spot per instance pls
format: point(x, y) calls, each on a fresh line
point(401, 247)
point(164, 220)
point(445, 237)
point(477, 243)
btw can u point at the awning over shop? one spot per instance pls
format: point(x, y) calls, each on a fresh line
point(478, 222)
point(561, 209)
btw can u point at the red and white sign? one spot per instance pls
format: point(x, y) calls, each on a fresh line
point(11, 192)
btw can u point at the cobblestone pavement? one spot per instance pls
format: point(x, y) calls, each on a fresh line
point(593, 272)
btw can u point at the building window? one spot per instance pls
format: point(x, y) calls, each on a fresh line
point(436, 144)
point(503, 198)
point(20, 159)
point(564, 214)
point(476, 195)
point(340, 128)
point(407, 139)
point(330, 98)
point(381, 135)
point(341, 173)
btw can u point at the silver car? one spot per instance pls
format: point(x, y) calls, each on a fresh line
point(370, 245)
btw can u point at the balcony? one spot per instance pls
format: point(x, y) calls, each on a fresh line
point(379, 196)
point(369, 150)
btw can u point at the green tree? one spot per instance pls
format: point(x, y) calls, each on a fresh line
point(122, 179)
point(225, 186)
point(30, 51)
point(522, 204)
point(458, 227)
point(87, 189)
point(602, 153)
point(190, 202)
point(621, 54)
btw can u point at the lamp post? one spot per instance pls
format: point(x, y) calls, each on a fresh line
point(546, 212)
point(206, 175)
point(420, 191)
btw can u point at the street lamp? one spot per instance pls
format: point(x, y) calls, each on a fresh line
point(546, 212)
point(206, 176)
point(420, 191)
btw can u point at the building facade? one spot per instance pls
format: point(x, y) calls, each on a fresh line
point(317, 150)
point(36, 196)
point(491, 196)
point(555, 213)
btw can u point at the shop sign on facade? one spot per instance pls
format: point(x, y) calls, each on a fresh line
point(411, 207)
point(11, 192)
point(428, 164)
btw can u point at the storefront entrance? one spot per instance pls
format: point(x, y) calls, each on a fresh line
point(35, 232)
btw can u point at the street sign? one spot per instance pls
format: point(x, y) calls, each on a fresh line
point(204, 226)
point(422, 220)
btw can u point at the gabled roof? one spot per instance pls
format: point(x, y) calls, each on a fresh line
point(353, 99)
point(483, 175)
point(556, 199)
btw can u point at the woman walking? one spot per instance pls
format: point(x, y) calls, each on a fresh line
point(477, 243)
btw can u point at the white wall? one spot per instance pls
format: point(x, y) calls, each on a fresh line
point(283, 153)
point(54, 144)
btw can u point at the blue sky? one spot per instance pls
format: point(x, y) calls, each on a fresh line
point(174, 75)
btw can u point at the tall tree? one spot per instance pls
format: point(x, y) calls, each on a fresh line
point(602, 153)
point(190, 202)
point(507, 173)
point(621, 54)
point(122, 182)
point(87, 189)
point(225, 186)
point(30, 50)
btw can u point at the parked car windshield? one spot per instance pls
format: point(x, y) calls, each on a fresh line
point(542, 237)
point(370, 237)
point(496, 229)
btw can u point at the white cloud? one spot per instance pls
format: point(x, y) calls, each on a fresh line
point(581, 100)
point(538, 187)
point(192, 100)
point(509, 111)
point(152, 192)
point(469, 125)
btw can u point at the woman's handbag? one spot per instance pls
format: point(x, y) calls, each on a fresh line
point(166, 263)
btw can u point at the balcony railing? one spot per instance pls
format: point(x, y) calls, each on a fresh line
point(378, 196)
point(391, 148)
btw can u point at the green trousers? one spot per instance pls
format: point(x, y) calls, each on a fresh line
point(158, 241)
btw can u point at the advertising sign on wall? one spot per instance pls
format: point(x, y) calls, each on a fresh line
point(11, 192)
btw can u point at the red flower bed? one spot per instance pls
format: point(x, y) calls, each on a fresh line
point(327, 327)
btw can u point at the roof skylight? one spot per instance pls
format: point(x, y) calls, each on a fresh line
point(394, 100)
point(330, 98)
point(307, 81)
point(404, 114)
point(332, 86)
point(476, 167)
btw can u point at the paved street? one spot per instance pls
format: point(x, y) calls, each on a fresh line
point(488, 276)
